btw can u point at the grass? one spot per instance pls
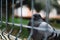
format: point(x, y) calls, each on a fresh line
point(56, 25)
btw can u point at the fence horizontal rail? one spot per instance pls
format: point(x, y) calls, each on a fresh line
point(16, 24)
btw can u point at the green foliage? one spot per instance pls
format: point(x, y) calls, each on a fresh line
point(17, 20)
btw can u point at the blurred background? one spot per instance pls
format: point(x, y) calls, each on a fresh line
point(39, 6)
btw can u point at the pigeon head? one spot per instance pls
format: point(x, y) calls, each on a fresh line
point(37, 17)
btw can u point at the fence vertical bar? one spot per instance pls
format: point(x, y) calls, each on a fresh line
point(21, 1)
point(47, 16)
point(47, 10)
point(1, 15)
point(12, 19)
point(6, 14)
point(32, 7)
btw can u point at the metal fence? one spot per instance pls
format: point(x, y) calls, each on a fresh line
point(20, 25)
